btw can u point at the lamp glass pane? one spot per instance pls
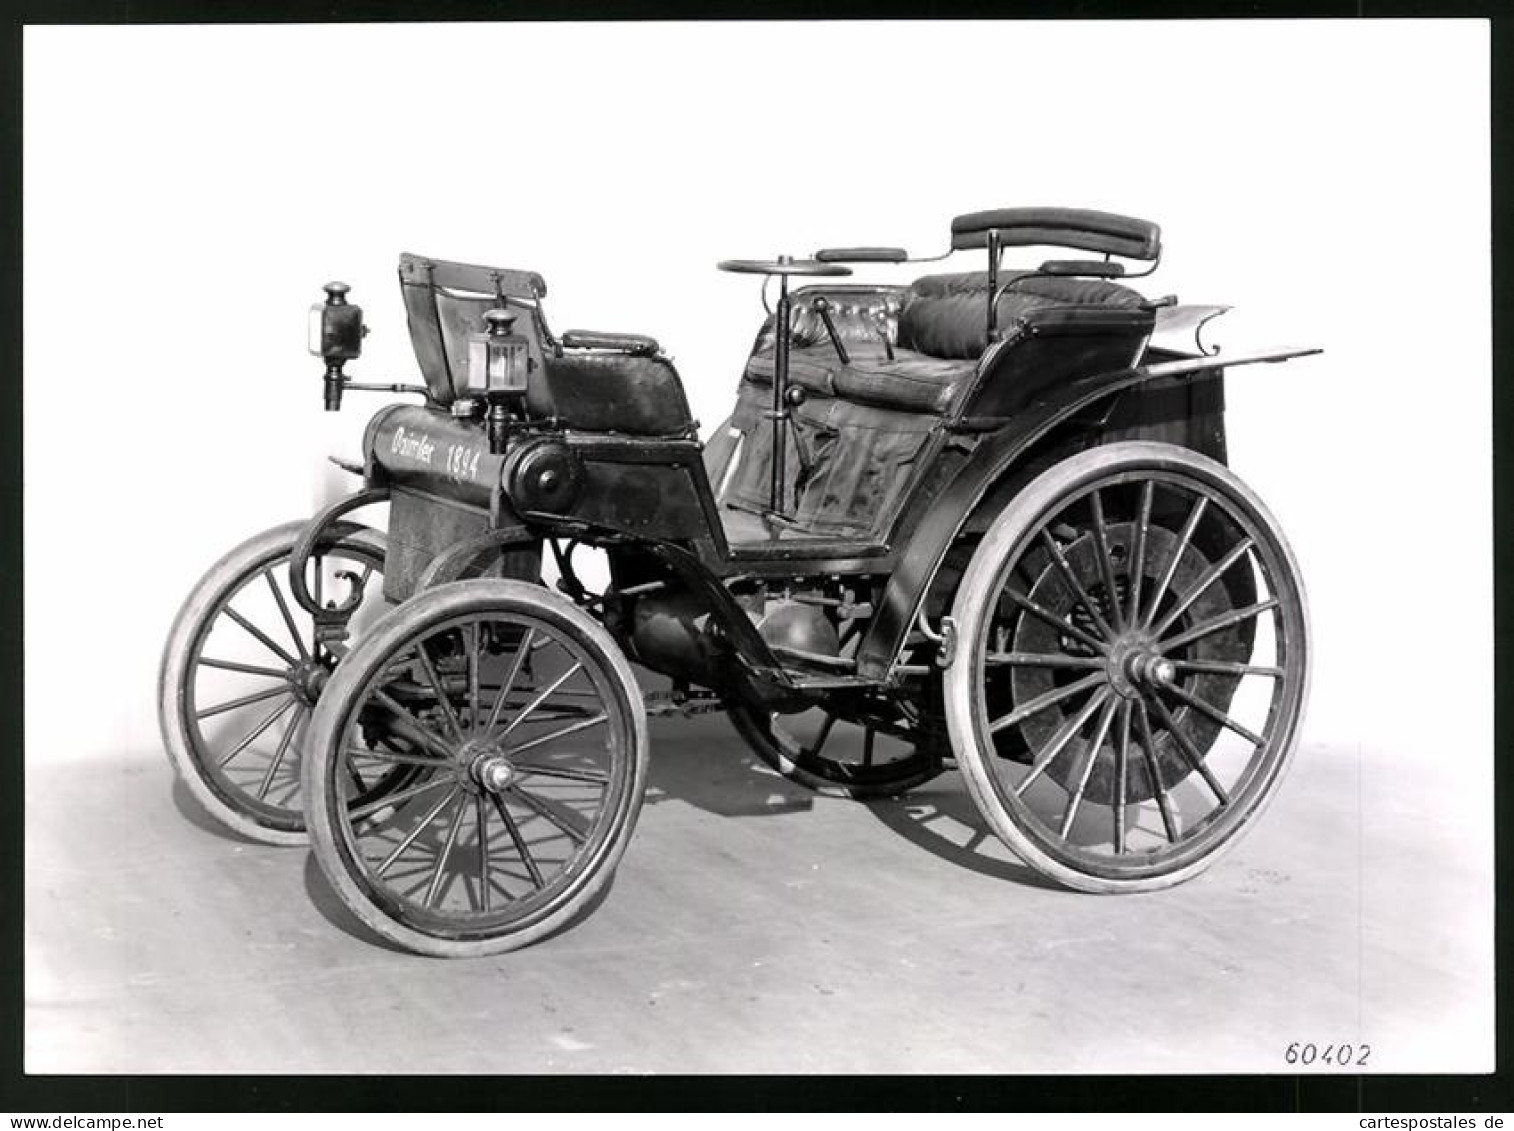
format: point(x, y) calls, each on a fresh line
point(316, 329)
point(478, 362)
point(507, 365)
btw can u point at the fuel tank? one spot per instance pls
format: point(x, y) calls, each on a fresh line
point(674, 634)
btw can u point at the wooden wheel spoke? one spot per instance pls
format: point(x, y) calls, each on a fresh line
point(820, 738)
point(1055, 621)
point(1225, 667)
point(1177, 554)
point(1204, 707)
point(1138, 553)
point(868, 735)
point(1190, 753)
point(244, 669)
point(1045, 700)
point(470, 642)
point(481, 820)
point(1065, 569)
point(284, 612)
point(392, 800)
point(1106, 562)
point(443, 700)
point(1209, 627)
point(543, 739)
point(1149, 752)
point(435, 887)
point(251, 736)
point(566, 773)
point(418, 731)
point(1060, 740)
point(1210, 576)
point(421, 826)
point(243, 701)
point(260, 636)
point(548, 813)
point(399, 757)
point(279, 752)
point(1121, 777)
point(1044, 660)
point(521, 848)
point(540, 698)
point(509, 681)
point(1101, 731)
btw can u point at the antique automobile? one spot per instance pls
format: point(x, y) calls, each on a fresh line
point(977, 521)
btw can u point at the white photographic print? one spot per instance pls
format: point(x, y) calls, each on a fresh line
point(624, 549)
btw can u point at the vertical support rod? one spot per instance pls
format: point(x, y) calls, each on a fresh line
point(780, 394)
point(993, 283)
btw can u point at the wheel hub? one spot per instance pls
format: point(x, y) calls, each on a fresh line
point(307, 680)
point(1135, 665)
point(484, 768)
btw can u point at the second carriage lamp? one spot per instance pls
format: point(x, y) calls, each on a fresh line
point(336, 335)
point(498, 363)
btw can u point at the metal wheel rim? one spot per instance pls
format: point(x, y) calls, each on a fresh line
point(1252, 787)
point(284, 705)
point(500, 912)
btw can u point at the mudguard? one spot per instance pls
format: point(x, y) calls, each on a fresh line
point(997, 447)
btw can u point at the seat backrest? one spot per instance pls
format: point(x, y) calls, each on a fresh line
point(1107, 233)
point(445, 302)
point(945, 315)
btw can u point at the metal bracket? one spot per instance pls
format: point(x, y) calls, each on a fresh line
point(945, 640)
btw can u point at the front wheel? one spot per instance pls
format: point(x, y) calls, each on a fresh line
point(526, 728)
point(243, 667)
point(1133, 667)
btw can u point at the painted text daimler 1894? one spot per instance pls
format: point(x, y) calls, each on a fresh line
point(977, 521)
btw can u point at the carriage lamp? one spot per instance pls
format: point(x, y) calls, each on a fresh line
point(497, 368)
point(336, 334)
point(497, 359)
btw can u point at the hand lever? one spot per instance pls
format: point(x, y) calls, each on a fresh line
point(796, 396)
point(823, 308)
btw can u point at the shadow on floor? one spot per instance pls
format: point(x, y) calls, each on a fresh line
point(194, 813)
point(704, 763)
point(942, 819)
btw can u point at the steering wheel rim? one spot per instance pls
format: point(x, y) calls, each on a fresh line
point(782, 266)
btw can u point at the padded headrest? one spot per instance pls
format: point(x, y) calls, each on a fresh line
point(1083, 228)
point(946, 315)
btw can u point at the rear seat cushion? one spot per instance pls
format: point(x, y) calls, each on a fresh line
point(946, 316)
point(911, 382)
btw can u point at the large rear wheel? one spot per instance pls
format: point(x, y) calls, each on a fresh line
point(1132, 667)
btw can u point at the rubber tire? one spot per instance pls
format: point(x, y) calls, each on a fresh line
point(972, 603)
point(352, 675)
point(204, 597)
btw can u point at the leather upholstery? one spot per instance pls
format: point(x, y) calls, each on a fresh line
point(947, 315)
point(611, 392)
point(863, 315)
point(911, 382)
point(941, 333)
point(1083, 228)
point(607, 340)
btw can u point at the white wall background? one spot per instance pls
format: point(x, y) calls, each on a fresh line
point(188, 189)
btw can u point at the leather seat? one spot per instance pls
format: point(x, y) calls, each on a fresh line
point(912, 382)
point(941, 330)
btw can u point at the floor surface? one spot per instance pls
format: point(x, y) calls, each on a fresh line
point(754, 927)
